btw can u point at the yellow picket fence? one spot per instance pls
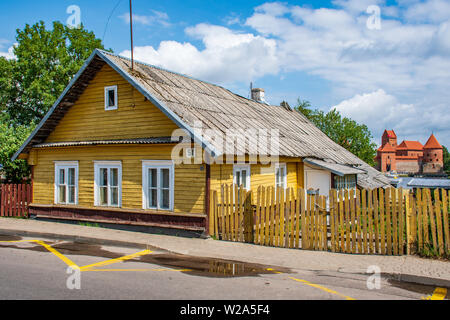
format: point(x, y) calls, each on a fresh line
point(382, 221)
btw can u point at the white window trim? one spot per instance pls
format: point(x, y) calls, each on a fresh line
point(277, 166)
point(65, 164)
point(107, 89)
point(237, 167)
point(157, 164)
point(107, 164)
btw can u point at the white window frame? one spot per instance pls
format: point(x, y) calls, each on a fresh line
point(107, 165)
point(116, 105)
point(240, 167)
point(284, 166)
point(158, 164)
point(66, 165)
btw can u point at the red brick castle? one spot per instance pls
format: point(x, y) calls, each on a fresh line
point(409, 156)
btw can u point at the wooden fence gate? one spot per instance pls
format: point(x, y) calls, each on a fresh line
point(14, 200)
point(382, 221)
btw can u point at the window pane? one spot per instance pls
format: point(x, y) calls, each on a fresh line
point(114, 196)
point(114, 177)
point(62, 176)
point(238, 178)
point(62, 194)
point(165, 199)
point(244, 178)
point(165, 178)
point(111, 98)
point(71, 176)
point(103, 177)
point(71, 195)
point(152, 178)
point(152, 203)
point(103, 196)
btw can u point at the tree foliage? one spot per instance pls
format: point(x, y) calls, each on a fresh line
point(346, 132)
point(446, 160)
point(45, 62)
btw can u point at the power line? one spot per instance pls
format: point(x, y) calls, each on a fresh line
point(109, 18)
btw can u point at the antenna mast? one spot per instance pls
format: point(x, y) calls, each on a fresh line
point(131, 30)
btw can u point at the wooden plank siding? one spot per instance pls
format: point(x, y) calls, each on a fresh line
point(189, 179)
point(135, 117)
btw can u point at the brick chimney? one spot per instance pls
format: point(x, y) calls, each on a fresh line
point(258, 94)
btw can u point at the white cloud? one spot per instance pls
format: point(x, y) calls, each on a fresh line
point(157, 17)
point(9, 53)
point(228, 56)
point(408, 57)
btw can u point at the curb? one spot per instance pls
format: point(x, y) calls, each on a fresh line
point(405, 278)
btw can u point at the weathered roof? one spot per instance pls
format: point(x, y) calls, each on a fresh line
point(155, 140)
point(432, 143)
point(429, 183)
point(188, 101)
point(339, 169)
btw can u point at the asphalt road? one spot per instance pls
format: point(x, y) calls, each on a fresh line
point(39, 270)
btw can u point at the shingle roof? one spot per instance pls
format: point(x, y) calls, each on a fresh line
point(188, 101)
point(386, 148)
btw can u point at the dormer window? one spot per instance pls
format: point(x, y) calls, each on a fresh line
point(111, 98)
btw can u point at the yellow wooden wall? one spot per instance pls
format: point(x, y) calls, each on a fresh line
point(88, 120)
point(223, 174)
point(189, 179)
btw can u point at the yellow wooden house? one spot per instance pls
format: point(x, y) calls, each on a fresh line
point(105, 150)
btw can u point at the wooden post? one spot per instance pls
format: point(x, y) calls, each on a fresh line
point(408, 225)
point(445, 204)
point(248, 217)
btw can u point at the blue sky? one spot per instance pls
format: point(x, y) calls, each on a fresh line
point(394, 75)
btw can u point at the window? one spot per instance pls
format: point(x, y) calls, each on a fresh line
point(241, 175)
point(345, 182)
point(111, 98)
point(280, 175)
point(108, 183)
point(158, 185)
point(66, 182)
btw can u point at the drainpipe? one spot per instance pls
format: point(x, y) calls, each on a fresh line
point(207, 197)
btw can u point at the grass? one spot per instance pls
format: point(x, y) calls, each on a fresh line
point(88, 224)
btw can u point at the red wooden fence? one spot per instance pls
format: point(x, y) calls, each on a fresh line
point(14, 200)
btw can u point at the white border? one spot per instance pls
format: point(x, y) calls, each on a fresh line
point(60, 165)
point(115, 107)
point(157, 164)
point(237, 167)
point(107, 164)
point(284, 165)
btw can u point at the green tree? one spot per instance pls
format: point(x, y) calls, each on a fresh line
point(346, 132)
point(46, 60)
point(11, 138)
point(446, 160)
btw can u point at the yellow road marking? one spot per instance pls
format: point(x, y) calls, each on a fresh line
point(317, 286)
point(135, 270)
point(66, 260)
point(112, 261)
point(438, 294)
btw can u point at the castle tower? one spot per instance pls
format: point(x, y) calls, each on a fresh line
point(433, 156)
point(390, 137)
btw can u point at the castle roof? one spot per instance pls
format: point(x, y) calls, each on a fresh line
point(391, 133)
point(432, 143)
point(386, 148)
point(410, 145)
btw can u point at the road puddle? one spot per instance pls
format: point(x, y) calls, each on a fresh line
point(10, 238)
point(198, 266)
point(207, 267)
